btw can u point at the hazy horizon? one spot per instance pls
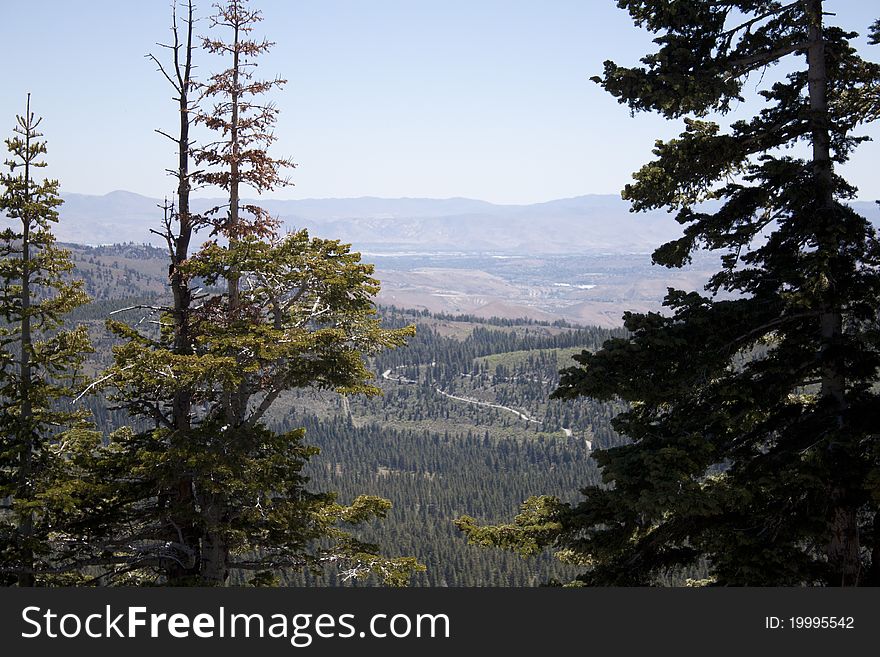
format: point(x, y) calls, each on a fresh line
point(487, 100)
point(198, 195)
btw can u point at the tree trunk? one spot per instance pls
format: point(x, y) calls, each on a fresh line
point(842, 549)
point(873, 577)
point(234, 175)
point(182, 497)
point(215, 547)
point(25, 431)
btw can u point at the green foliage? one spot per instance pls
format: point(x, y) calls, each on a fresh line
point(437, 458)
point(199, 486)
point(39, 365)
point(752, 414)
point(432, 477)
point(304, 318)
point(532, 530)
point(432, 457)
point(314, 300)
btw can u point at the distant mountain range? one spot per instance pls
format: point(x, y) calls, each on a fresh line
point(582, 259)
point(583, 224)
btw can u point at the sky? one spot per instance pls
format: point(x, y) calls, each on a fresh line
point(486, 99)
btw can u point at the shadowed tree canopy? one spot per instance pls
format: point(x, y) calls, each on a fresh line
point(753, 410)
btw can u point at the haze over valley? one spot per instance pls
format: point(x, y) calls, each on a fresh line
point(583, 260)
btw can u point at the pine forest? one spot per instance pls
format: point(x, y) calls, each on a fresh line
point(232, 402)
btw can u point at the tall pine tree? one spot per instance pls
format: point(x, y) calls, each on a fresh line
point(39, 365)
point(753, 408)
point(306, 316)
point(201, 487)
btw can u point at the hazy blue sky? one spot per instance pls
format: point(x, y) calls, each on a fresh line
point(487, 99)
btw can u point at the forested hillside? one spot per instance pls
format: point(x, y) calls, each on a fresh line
point(463, 426)
point(424, 391)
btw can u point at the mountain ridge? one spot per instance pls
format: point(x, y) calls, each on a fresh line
point(591, 223)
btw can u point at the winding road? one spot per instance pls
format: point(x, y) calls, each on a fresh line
point(476, 402)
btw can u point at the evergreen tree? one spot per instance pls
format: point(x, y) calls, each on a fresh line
point(753, 408)
point(39, 365)
point(201, 486)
